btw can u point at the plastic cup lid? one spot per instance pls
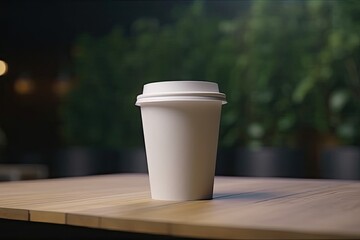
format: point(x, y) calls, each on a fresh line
point(180, 91)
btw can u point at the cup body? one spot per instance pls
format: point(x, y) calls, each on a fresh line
point(181, 137)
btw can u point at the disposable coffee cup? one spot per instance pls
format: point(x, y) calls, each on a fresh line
point(181, 126)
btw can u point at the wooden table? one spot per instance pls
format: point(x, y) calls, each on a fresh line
point(242, 208)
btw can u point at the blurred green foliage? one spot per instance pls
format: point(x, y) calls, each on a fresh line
point(99, 111)
point(284, 65)
point(292, 66)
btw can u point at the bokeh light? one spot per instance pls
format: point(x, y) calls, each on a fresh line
point(24, 85)
point(3, 67)
point(62, 84)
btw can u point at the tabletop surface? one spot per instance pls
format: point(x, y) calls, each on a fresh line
point(242, 208)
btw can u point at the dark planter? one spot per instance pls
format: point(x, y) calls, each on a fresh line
point(3, 157)
point(25, 157)
point(270, 162)
point(130, 161)
point(225, 162)
point(79, 161)
point(340, 163)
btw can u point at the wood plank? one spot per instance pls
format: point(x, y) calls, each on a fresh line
point(47, 217)
point(135, 225)
point(223, 232)
point(14, 214)
point(83, 220)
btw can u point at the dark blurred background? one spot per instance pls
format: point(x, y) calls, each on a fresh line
point(70, 73)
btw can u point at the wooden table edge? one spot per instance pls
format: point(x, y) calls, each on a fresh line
point(181, 229)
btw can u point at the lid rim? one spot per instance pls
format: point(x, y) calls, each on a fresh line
point(180, 99)
point(185, 94)
point(139, 103)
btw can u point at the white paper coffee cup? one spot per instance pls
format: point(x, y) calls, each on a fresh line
point(181, 125)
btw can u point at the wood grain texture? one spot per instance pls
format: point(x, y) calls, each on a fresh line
point(242, 208)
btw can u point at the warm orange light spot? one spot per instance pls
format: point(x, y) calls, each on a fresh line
point(61, 87)
point(23, 86)
point(3, 67)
